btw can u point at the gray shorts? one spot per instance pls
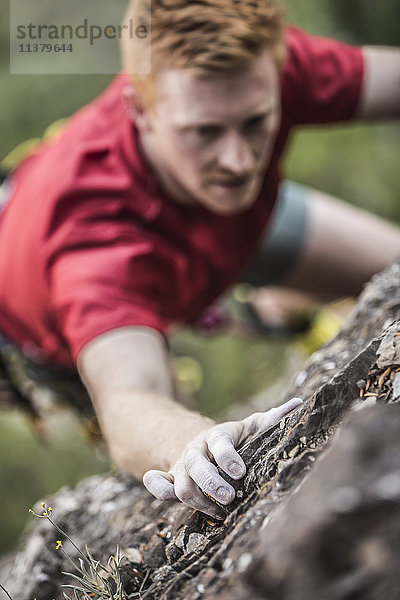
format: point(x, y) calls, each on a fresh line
point(284, 239)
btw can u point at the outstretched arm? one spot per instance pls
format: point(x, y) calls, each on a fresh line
point(126, 373)
point(344, 247)
point(380, 96)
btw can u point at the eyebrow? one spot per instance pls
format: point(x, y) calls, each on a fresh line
point(264, 112)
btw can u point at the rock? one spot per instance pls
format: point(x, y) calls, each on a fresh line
point(328, 518)
point(338, 536)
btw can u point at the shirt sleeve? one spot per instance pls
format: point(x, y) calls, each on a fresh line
point(322, 79)
point(99, 287)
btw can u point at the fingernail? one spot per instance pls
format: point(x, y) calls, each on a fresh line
point(236, 469)
point(224, 494)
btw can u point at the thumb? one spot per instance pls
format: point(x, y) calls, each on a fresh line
point(160, 484)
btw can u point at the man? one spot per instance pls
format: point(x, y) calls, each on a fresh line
point(155, 199)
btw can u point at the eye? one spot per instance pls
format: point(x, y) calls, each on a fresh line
point(256, 121)
point(207, 131)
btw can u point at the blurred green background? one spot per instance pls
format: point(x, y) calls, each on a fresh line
point(358, 163)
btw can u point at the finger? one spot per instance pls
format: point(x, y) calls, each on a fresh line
point(206, 476)
point(221, 445)
point(264, 421)
point(280, 411)
point(189, 493)
point(160, 484)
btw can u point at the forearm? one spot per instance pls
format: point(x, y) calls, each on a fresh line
point(344, 247)
point(147, 430)
point(127, 374)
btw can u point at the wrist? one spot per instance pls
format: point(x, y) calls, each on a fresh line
point(145, 430)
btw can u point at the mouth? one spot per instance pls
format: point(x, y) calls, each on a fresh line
point(232, 184)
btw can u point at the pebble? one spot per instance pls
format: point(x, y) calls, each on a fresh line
point(132, 554)
point(180, 539)
point(266, 521)
point(301, 378)
point(244, 562)
point(197, 543)
point(329, 366)
point(172, 552)
point(396, 386)
point(388, 486)
point(227, 564)
point(346, 499)
point(108, 507)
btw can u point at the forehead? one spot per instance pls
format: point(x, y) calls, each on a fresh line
point(185, 98)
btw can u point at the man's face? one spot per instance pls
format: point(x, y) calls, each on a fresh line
point(210, 139)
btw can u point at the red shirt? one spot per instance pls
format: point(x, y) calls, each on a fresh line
point(88, 243)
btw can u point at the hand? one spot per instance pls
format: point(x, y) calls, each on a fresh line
point(194, 473)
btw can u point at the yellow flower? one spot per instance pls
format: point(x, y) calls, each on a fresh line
point(58, 545)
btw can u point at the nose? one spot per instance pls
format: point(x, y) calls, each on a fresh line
point(236, 155)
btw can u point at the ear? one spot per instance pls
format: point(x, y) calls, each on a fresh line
point(136, 110)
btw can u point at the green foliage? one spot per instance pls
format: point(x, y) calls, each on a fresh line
point(30, 470)
point(233, 368)
point(312, 15)
point(357, 163)
point(369, 22)
point(30, 103)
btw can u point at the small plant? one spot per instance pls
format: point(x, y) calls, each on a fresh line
point(94, 581)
